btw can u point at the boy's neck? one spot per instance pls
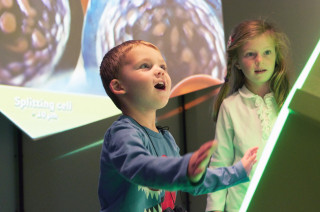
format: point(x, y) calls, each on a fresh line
point(146, 119)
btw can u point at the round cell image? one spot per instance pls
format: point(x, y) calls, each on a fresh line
point(33, 38)
point(189, 34)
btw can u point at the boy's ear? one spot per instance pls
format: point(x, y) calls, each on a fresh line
point(116, 87)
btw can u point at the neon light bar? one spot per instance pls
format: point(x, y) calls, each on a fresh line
point(277, 129)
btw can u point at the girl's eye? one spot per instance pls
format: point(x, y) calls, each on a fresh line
point(249, 54)
point(268, 52)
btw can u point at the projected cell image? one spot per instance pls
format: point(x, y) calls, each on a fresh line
point(58, 45)
point(189, 33)
point(33, 37)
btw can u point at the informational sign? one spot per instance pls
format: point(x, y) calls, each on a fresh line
point(42, 113)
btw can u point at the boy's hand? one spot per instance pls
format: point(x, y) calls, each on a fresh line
point(199, 161)
point(249, 159)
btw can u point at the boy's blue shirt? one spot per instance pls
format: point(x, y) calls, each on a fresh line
point(134, 172)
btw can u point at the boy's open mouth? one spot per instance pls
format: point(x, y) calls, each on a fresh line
point(160, 85)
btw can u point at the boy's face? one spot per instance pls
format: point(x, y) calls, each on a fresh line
point(145, 79)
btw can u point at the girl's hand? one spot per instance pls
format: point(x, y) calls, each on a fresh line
point(200, 160)
point(249, 159)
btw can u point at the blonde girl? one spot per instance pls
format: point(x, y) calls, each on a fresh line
point(255, 88)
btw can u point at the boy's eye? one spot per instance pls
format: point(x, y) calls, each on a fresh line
point(144, 66)
point(164, 67)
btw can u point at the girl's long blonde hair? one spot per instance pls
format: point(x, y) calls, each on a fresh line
point(235, 79)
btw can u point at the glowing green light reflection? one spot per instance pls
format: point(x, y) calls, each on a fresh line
point(277, 129)
point(98, 143)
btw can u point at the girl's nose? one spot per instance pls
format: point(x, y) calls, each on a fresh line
point(258, 59)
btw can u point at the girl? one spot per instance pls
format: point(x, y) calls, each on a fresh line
point(256, 86)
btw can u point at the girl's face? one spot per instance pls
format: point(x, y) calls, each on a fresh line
point(256, 59)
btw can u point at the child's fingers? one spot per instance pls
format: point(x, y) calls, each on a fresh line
point(253, 158)
point(206, 147)
point(201, 160)
point(198, 171)
point(251, 152)
point(254, 150)
point(204, 152)
point(251, 161)
point(214, 145)
point(209, 147)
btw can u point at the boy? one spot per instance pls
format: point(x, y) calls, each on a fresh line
point(138, 160)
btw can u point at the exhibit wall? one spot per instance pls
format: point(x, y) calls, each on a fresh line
point(60, 172)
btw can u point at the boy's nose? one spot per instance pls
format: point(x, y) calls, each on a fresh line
point(159, 72)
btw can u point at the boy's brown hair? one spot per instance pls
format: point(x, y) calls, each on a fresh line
point(112, 63)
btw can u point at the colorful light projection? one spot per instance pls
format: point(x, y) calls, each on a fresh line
point(57, 47)
point(42, 46)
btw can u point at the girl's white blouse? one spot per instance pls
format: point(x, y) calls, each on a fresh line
point(245, 120)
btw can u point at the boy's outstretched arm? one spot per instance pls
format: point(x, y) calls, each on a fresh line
point(249, 159)
point(199, 161)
